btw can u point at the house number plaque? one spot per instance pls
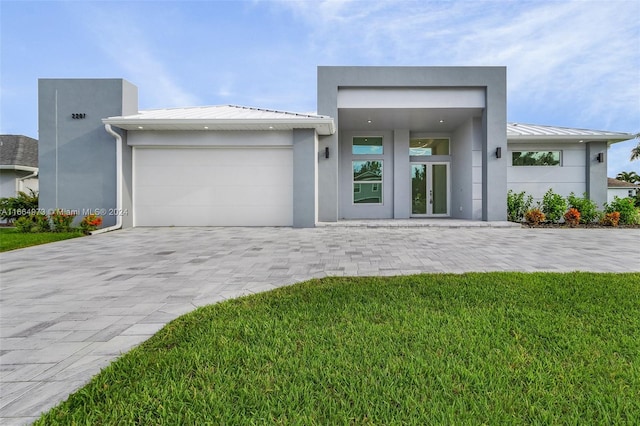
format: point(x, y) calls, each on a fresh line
point(78, 115)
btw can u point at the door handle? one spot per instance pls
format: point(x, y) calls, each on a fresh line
point(430, 196)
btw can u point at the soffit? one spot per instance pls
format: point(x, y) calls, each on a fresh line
point(535, 132)
point(415, 119)
point(222, 117)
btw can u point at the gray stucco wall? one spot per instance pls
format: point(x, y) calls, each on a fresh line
point(347, 208)
point(492, 79)
point(77, 157)
point(305, 160)
point(596, 172)
point(461, 172)
point(401, 161)
point(494, 170)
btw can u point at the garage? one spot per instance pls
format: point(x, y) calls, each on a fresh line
point(221, 165)
point(213, 186)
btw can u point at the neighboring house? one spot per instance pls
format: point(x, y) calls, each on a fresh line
point(621, 189)
point(387, 142)
point(18, 165)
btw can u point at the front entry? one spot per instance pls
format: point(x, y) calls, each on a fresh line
point(429, 189)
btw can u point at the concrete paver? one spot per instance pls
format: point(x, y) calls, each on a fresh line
point(69, 308)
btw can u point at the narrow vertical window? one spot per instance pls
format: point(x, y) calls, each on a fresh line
point(367, 182)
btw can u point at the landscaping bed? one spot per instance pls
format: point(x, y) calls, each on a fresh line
point(579, 226)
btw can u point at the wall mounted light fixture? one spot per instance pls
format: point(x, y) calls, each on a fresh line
point(600, 157)
point(326, 152)
point(499, 152)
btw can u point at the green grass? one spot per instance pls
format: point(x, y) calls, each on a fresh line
point(497, 348)
point(10, 239)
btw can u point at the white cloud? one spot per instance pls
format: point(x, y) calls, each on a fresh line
point(131, 49)
point(577, 55)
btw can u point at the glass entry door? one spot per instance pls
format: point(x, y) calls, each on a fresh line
point(429, 189)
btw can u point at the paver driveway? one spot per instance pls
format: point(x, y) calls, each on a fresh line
point(71, 307)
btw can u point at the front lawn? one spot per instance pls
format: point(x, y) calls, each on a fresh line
point(10, 239)
point(495, 348)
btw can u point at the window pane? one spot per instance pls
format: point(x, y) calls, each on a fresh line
point(439, 183)
point(535, 158)
point(367, 145)
point(367, 193)
point(367, 171)
point(419, 189)
point(426, 146)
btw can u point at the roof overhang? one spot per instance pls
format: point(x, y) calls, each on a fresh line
point(322, 125)
point(579, 139)
point(222, 117)
point(537, 133)
point(18, 168)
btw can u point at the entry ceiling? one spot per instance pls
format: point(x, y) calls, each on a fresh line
point(414, 119)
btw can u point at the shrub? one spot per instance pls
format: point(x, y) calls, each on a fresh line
point(534, 217)
point(587, 208)
point(90, 223)
point(611, 219)
point(572, 217)
point(41, 223)
point(33, 223)
point(553, 206)
point(517, 205)
point(61, 220)
point(23, 224)
point(626, 208)
point(22, 205)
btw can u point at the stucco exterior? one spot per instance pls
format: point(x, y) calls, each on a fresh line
point(443, 149)
point(77, 157)
point(474, 97)
point(579, 170)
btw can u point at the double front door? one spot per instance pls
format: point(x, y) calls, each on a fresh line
point(429, 189)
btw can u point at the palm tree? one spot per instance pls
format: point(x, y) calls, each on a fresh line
point(631, 177)
point(635, 152)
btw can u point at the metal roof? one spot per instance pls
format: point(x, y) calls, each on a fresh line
point(222, 117)
point(536, 132)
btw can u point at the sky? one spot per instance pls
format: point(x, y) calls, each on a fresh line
point(569, 63)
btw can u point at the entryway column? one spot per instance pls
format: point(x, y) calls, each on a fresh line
point(402, 176)
point(596, 172)
point(305, 178)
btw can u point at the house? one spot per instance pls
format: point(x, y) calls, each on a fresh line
point(620, 189)
point(18, 165)
point(385, 143)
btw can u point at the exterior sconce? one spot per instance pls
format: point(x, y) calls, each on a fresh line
point(600, 157)
point(499, 152)
point(326, 152)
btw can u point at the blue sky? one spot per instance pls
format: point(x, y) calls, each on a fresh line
point(569, 63)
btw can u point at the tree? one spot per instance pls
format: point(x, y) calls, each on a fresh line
point(631, 177)
point(635, 152)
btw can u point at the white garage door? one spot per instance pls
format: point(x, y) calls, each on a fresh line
point(213, 186)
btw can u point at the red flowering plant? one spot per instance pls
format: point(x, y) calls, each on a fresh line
point(61, 220)
point(572, 217)
point(90, 223)
point(534, 217)
point(611, 219)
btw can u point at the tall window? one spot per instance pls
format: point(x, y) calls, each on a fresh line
point(367, 182)
point(535, 158)
point(367, 173)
